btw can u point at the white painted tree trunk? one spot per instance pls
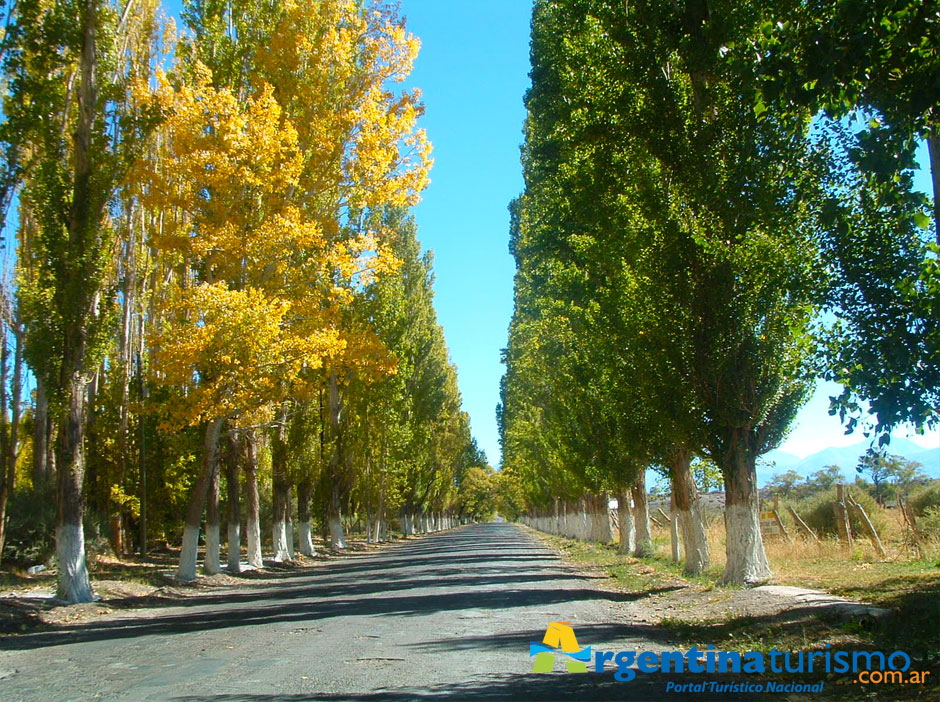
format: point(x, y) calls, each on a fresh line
point(290, 538)
point(337, 534)
point(747, 562)
point(212, 564)
point(234, 548)
point(253, 539)
point(406, 527)
point(688, 509)
point(601, 529)
point(197, 502)
point(281, 552)
point(306, 539)
point(188, 553)
point(70, 556)
point(695, 539)
point(674, 530)
point(586, 522)
point(641, 519)
point(625, 518)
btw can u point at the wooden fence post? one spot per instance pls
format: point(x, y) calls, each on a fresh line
point(911, 522)
point(783, 529)
point(868, 527)
point(842, 516)
point(804, 527)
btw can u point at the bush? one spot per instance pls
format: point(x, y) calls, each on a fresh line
point(30, 528)
point(923, 498)
point(818, 513)
point(929, 521)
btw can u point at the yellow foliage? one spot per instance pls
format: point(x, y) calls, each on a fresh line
point(259, 197)
point(235, 350)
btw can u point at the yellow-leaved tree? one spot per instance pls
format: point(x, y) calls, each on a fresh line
point(267, 184)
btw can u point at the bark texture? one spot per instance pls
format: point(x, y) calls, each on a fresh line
point(234, 508)
point(641, 518)
point(747, 562)
point(625, 520)
point(253, 503)
point(689, 509)
point(197, 501)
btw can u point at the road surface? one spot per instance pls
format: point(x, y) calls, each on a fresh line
point(450, 615)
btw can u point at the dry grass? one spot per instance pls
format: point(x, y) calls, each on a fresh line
point(828, 564)
point(902, 581)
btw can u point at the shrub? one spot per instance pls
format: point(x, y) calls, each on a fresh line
point(30, 528)
point(929, 521)
point(923, 498)
point(818, 513)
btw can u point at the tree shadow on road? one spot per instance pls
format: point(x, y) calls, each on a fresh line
point(330, 593)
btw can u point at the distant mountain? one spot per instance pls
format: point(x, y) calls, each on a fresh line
point(845, 457)
point(782, 460)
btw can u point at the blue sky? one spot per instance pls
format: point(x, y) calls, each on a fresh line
point(472, 71)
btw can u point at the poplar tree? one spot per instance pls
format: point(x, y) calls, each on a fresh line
point(70, 112)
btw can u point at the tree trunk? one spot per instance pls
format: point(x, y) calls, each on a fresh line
point(253, 537)
point(625, 519)
point(142, 456)
point(197, 502)
point(74, 584)
point(335, 518)
point(8, 473)
point(933, 150)
point(747, 562)
point(280, 490)
point(77, 292)
point(41, 437)
point(334, 514)
point(212, 564)
point(674, 528)
point(641, 518)
point(234, 512)
point(406, 524)
point(304, 489)
point(689, 509)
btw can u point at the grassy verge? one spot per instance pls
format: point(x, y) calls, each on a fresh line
point(701, 612)
point(698, 612)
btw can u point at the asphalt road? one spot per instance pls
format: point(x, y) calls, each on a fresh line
point(450, 615)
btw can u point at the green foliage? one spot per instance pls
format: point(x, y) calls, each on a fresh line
point(784, 484)
point(878, 60)
point(929, 521)
point(30, 535)
point(818, 513)
point(889, 473)
point(925, 497)
point(707, 474)
point(408, 438)
point(788, 484)
point(476, 497)
point(510, 495)
point(666, 272)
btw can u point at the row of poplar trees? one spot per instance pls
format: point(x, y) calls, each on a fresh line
point(718, 209)
point(216, 274)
